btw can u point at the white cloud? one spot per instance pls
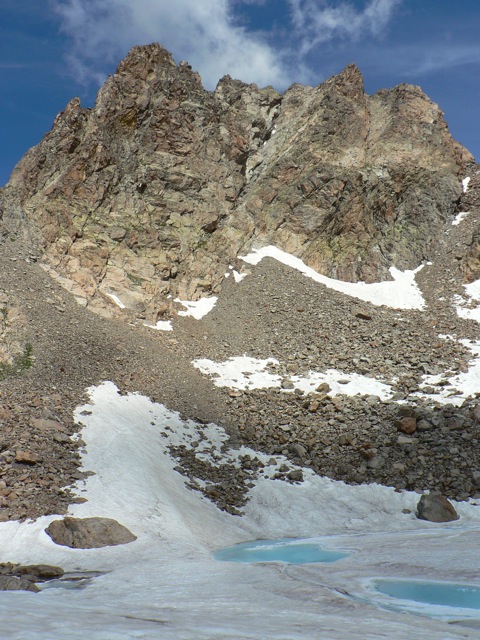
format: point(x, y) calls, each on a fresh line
point(203, 32)
point(418, 60)
point(447, 57)
point(317, 22)
point(210, 35)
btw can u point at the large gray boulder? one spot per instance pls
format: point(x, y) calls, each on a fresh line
point(436, 508)
point(89, 533)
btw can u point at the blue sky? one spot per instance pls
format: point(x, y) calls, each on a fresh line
point(53, 50)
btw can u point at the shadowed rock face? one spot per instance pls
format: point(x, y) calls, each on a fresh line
point(162, 184)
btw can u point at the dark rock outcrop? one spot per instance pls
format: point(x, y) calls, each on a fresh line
point(162, 184)
point(89, 533)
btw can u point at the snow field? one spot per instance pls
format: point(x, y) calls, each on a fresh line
point(400, 293)
point(166, 584)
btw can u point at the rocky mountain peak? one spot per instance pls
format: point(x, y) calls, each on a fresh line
point(411, 123)
point(155, 191)
point(348, 82)
point(154, 66)
point(143, 60)
point(145, 79)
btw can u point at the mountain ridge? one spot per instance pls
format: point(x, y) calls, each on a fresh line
point(156, 193)
point(159, 187)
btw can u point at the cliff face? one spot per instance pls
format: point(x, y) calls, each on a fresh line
point(159, 187)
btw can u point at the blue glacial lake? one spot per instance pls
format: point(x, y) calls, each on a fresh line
point(449, 594)
point(288, 550)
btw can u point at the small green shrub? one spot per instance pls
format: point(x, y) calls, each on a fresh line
point(21, 362)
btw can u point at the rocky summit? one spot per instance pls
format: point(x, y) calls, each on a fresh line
point(154, 195)
point(159, 187)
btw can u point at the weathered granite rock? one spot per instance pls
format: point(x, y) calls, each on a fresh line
point(159, 187)
point(436, 508)
point(46, 425)
point(10, 583)
point(39, 572)
point(26, 457)
point(88, 533)
point(406, 424)
point(31, 572)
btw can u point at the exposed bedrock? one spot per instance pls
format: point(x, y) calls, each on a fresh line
point(155, 190)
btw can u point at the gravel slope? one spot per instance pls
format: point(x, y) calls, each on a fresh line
point(274, 312)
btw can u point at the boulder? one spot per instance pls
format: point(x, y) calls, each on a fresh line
point(406, 421)
point(26, 457)
point(39, 572)
point(296, 475)
point(89, 533)
point(476, 477)
point(46, 425)
point(436, 508)
point(406, 424)
point(10, 583)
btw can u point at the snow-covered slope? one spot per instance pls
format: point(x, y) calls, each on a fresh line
point(167, 585)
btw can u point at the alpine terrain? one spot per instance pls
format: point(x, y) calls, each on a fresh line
point(229, 316)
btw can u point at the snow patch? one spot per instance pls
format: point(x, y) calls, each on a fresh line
point(240, 372)
point(238, 277)
point(116, 300)
point(469, 307)
point(465, 183)
point(197, 309)
point(243, 372)
point(458, 387)
point(401, 293)
point(349, 384)
point(459, 217)
point(161, 325)
point(473, 290)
